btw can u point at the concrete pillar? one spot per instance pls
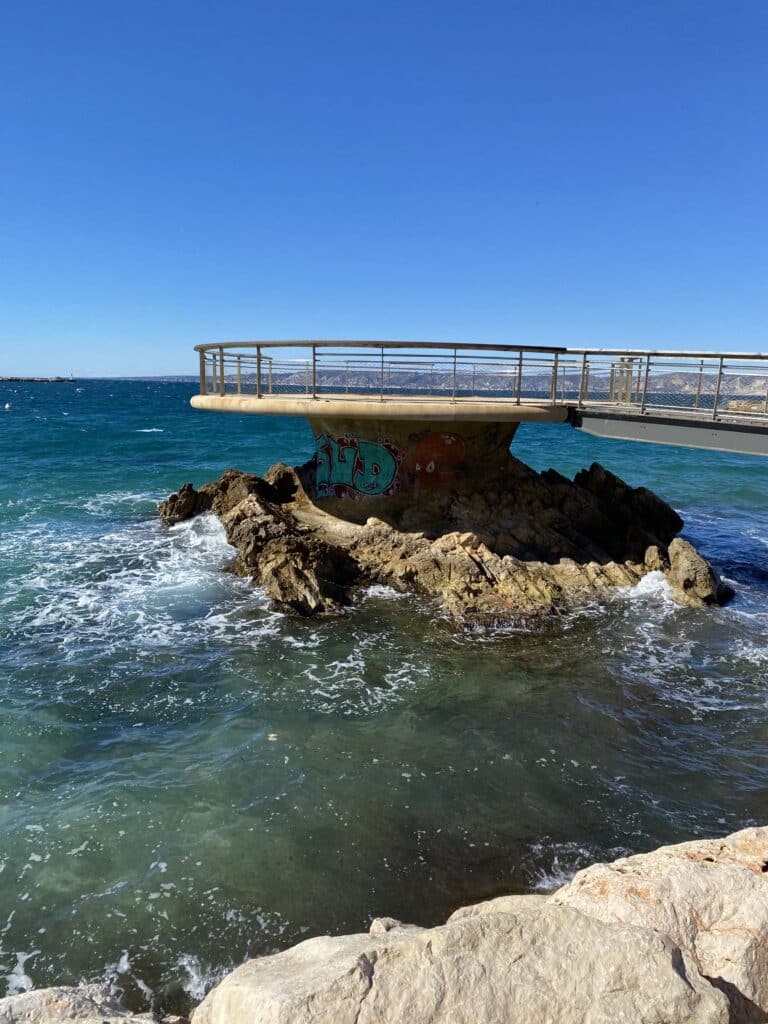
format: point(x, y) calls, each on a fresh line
point(384, 468)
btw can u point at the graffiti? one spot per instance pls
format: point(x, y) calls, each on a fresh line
point(435, 460)
point(349, 467)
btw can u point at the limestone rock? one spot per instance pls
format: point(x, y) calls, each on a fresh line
point(84, 1004)
point(184, 504)
point(516, 967)
point(710, 897)
point(693, 579)
point(516, 903)
point(533, 545)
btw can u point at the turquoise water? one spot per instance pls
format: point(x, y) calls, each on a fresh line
point(187, 778)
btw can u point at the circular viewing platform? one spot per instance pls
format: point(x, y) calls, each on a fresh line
point(407, 407)
point(699, 399)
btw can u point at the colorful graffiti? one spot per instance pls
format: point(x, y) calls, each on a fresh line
point(436, 459)
point(348, 467)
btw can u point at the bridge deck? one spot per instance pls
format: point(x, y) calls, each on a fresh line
point(717, 401)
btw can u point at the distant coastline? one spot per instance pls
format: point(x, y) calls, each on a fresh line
point(37, 380)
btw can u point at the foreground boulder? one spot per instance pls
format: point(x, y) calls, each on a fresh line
point(519, 965)
point(710, 897)
point(532, 545)
point(86, 1004)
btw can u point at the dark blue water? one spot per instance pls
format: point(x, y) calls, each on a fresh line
point(187, 778)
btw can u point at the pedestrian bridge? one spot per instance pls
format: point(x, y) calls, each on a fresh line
point(696, 399)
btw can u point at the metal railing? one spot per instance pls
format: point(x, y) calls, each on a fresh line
point(699, 384)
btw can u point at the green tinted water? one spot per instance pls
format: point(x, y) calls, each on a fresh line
point(187, 778)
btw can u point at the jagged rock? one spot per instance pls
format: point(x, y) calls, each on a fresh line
point(532, 545)
point(693, 579)
point(85, 1004)
point(510, 967)
point(709, 896)
point(185, 503)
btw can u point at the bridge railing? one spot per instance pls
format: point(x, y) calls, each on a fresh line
point(637, 381)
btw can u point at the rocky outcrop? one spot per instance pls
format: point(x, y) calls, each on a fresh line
point(693, 579)
point(85, 1004)
point(678, 935)
point(515, 966)
point(532, 546)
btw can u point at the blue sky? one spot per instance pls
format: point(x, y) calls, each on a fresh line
point(549, 173)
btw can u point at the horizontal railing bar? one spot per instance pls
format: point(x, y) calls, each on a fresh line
point(378, 344)
point(482, 346)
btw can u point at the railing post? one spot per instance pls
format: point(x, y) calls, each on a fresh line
point(519, 375)
point(645, 383)
point(203, 381)
point(717, 389)
point(306, 378)
point(698, 384)
point(553, 389)
point(239, 375)
point(269, 372)
point(258, 371)
point(314, 371)
point(382, 373)
point(453, 396)
point(582, 380)
point(222, 380)
point(474, 368)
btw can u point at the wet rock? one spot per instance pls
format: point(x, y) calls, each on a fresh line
point(516, 966)
point(709, 896)
point(85, 1004)
point(184, 504)
point(693, 579)
point(531, 546)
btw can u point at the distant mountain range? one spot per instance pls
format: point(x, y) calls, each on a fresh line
point(680, 383)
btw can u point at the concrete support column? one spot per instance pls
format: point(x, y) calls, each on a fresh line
point(386, 468)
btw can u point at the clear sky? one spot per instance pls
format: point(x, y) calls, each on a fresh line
point(542, 172)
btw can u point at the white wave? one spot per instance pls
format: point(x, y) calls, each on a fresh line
point(149, 430)
point(198, 980)
point(142, 584)
point(564, 861)
point(749, 650)
point(356, 684)
point(380, 590)
point(654, 586)
point(18, 979)
point(110, 501)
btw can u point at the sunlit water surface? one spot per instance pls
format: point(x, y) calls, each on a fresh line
point(188, 778)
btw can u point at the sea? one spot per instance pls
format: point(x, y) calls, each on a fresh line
point(189, 778)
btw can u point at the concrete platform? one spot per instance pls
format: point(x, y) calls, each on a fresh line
point(442, 410)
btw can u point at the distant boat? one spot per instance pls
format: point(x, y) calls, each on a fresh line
point(7, 406)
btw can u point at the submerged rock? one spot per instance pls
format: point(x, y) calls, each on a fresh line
point(531, 545)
